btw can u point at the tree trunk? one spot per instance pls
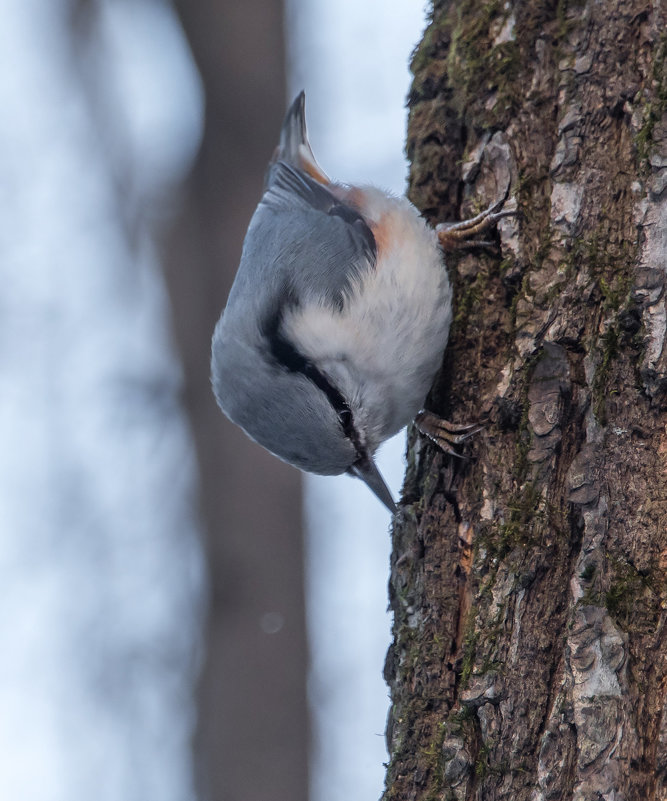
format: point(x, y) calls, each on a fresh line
point(528, 581)
point(252, 734)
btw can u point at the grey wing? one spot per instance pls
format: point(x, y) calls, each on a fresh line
point(316, 243)
point(303, 246)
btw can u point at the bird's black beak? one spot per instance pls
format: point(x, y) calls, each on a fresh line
point(366, 469)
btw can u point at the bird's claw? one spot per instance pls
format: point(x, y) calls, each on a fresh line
point(460, 235)
point(446, 435)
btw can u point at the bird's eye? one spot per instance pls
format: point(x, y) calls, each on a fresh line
point(345, 417)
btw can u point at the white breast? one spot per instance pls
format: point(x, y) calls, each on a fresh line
point(383, 350)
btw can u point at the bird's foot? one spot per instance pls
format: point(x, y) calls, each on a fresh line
point(461, 235)
point(446, 435)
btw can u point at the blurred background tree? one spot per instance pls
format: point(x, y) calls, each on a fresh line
point(253, 730)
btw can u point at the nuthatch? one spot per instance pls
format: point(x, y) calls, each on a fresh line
point(338, 317)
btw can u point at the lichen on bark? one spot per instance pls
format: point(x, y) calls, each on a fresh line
point(528, 584)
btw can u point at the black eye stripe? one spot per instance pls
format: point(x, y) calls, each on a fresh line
point(291, 359)
point(345, 416)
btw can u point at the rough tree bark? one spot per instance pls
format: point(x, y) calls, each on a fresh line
point(528, 582)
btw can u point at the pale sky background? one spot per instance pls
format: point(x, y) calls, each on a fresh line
point(101, 570)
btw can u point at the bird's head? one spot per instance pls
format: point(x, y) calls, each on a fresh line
point(292, 408)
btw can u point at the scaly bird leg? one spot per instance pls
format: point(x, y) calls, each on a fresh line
point(460, 235)
point(446, 435)
point(456, 236)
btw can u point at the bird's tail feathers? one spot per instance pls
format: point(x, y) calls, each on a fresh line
point(294, 147)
